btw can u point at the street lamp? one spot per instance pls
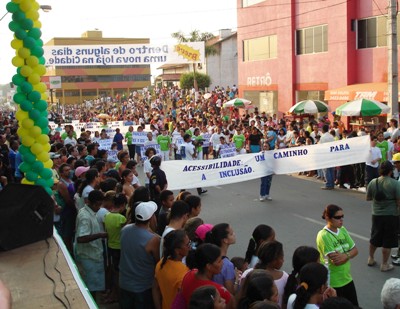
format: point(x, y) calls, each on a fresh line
point(44, 8)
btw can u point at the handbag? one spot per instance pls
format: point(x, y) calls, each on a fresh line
point(379, 194)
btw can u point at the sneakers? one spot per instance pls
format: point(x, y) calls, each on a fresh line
point(395, 256)
point(202, 192)
point(262, 198)
point(265, 197)
point(387, 267)
point(396, 262)
point(371, 262)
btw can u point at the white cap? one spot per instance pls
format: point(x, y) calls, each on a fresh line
point(145, 210)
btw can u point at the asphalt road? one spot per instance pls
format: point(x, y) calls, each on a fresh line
point(295, 214)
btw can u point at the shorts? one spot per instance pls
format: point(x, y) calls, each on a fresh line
point(93, 274)
point(384, 231)
point(137, 150)
point(115, 256)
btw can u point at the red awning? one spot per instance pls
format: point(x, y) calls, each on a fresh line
point(371, 91)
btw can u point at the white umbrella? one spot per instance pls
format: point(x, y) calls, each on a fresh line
point(207, 96)
point(238, 102)
point(362, 107)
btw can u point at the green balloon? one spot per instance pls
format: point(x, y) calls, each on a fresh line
point(13, 26)
point(39, 42)
point(18, 16)
point(46, 130)
point(41, 182)
point(25, 167)
point(41, 105)
point(26, 87)
point(26, 105)
point(49, 191)
point(26, 24)
point(37, 166)
point(34, 96)
point(29, 157)
point(23, 150)
point(46, 173)
point(19, 97)
point(35, 33)
point(20, 34)
point(31, 176)
point(34, 114)
point(29, 42)
point(42, 123)
point(18, 79)
point(42, 60)
point(37, 51)
point(12, 7)
point(50, 182)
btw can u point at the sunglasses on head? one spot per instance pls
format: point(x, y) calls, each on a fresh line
point(338, 217)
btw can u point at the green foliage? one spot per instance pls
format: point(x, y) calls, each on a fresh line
point(197, 36)
point(187, 82)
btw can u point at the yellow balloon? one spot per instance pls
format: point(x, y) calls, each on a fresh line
point(44, 96)
point(37, 24)
point(43, 156)
point(25, 181)
point(17, 44)
point(26, 70)
point(16, 1)
point(43, 139)
point(35, 132)
point(17, 61)
point(40, 69)
point(22, 132)
point(27, 140)
point(32, 14)
point(24, 52)
point(48, 164)
point(35, 5)
point(32, 61)
point(25, 5)
point(37, 148)
point(40, 87)
point(46, 147)
point(27, 123)
point(34, 79)
point(21, 115)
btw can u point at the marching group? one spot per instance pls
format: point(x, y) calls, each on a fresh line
point(144, 247)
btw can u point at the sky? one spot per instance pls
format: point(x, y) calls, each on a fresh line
point(154, 19)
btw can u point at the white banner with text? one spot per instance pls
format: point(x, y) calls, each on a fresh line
point(183, 174)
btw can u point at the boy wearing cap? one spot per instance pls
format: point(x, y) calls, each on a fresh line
point(139, 256)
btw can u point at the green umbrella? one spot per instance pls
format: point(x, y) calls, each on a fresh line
point(362, 107)
point(309, 107)
point(238, 102)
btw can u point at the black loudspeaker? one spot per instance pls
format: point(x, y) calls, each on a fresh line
point(26, 215)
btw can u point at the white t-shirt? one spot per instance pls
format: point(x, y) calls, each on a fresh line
point(291, 300)
point(189, 151)
point(166, 231)
point(147, 169)
point(374, 153)
point(86, 191)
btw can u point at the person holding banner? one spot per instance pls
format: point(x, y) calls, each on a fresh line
point(266, 181)
point(164, 140)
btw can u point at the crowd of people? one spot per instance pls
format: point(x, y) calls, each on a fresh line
point(137, 243)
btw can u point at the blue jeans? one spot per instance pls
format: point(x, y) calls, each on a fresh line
point(265, 185)
point(330, 177)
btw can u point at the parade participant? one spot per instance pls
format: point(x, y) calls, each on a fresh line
point(138, 146)
point(239, 140)
point(88, 245)
point(215, 140)
point(128, 140)
point(158, 180)
point(255, 140)
point(266, 181)
point(383, 145)
point(337, 248)
point(164, 140)
point(329, 172)
point(170, 270)
point(118, 138)
point(372, 163)
point(384, 192)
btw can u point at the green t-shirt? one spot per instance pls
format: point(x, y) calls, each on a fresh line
point(188, 131)
point(329, 242)
point(113, 223)
point(199, 138)
point(64, 135)
point(391, 188)
point(384, 147)
point(164, 141)
point(239, 140)
point(128, 136)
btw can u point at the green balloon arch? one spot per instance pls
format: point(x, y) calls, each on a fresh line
point(30, 93)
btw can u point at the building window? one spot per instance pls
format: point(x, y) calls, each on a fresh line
point(312, 40)
point(262, 48)
point(246, 3)
point(71, 93)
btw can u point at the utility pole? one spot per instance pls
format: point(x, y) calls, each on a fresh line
point(393, 91)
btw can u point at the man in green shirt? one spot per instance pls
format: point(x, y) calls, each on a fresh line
point(128, 140)
point(239, 140)
point(164, 140)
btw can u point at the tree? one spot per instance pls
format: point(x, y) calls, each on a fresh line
point(196, 36)
point(187, 80)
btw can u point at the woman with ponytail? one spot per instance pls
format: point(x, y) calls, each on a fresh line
point(313, 288)
point(170, 270)
point(301, 256)
point(260, 234)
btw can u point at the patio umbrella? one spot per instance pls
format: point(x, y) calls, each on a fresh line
point(103, 116)
point(238, 102)
point(362, 107)
point(309, 107)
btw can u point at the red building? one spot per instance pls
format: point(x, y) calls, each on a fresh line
point(333, 50)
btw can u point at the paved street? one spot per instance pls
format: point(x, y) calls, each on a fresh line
point(295, 214)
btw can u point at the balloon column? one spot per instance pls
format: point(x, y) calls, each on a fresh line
point(31, 93)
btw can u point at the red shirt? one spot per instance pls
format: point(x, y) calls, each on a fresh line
point(190, 283)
